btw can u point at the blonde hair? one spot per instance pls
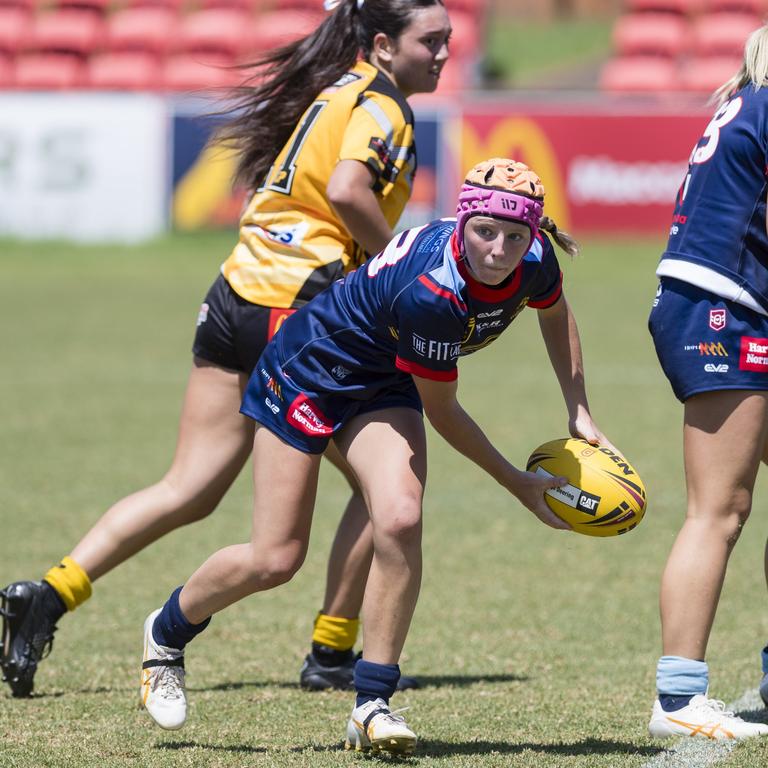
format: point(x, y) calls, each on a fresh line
point(754, 68)
point(563, 239)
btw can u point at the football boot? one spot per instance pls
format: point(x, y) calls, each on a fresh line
point(30, 610)
point(702, 718)
point(374, 727)
point(317, 676)
point(163, 694)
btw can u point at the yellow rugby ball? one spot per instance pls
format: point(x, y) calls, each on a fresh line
point(604, 495)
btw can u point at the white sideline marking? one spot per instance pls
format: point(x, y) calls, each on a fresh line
point(698, 753)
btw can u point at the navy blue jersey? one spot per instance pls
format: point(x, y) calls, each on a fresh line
point(718, 238)
point(413, 309)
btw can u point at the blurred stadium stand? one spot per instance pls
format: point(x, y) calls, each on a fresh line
point(679, 45)
point(177, 45)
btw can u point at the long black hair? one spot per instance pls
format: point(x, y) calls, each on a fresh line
point(285, 81)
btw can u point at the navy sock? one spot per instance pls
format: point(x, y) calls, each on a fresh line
point(375, 681)
point(671, 703)
point(172, 628)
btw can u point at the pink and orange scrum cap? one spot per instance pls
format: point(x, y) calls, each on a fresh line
point(504, 189)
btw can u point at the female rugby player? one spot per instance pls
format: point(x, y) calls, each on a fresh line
point(710, 326)
point(326, 140)
point(357, 365)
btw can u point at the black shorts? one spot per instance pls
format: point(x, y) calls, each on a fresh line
point(232, 332)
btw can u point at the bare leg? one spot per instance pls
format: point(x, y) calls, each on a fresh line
point(393, 486)
point(285, 485)
point(213, 444)
point(351, 553)
point(724, 436)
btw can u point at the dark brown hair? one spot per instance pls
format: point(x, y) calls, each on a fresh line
point(264, 110)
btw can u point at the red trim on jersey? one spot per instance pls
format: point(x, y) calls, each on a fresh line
point(552, 299)
point(425, 373)
point(488, 293)
point(440, 291)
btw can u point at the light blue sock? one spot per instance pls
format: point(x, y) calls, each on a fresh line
point(679, 676)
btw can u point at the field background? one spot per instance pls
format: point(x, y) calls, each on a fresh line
point(536, 648)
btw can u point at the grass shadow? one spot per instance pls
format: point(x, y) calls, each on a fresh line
point(433, 748)
point(243, 749)
point(425, 681)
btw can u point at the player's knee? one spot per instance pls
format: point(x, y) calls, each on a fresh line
point(277, 566)
point(401, 521)
point(738, 517)
point(184, 503)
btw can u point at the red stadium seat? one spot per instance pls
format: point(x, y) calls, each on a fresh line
point(49, 71)
point(237, 5)
point(660, 34)
point(454, 76)
point(6, 72)
point(293, 5)
point(186, 73)
point(723, 34)
point(30, 6)
point(95, 6)
point(706, 74)
point(142, 29)
point(639, 74)
point(174, 5)
point(272, 30)
point(123, 70)
point(15, 28)
point(755, 7)
point(476, 7)
point(465, 38)
point(683, 7)
point(68, 30)
point(222, 31)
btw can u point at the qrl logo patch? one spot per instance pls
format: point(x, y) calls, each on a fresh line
point(754, 354)
point(717, 319)
point(308, 418)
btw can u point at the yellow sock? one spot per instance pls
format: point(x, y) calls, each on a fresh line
point(71, 583)
point(335, 632)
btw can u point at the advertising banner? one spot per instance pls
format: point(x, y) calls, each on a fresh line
point(203, 195)
point(90, 167)
point(607, 169)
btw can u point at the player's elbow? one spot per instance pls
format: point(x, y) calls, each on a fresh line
point(340, 195)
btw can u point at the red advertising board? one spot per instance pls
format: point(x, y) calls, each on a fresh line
point(606, 169)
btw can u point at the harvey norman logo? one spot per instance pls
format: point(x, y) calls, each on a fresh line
point(753, 354)
point(436, 350)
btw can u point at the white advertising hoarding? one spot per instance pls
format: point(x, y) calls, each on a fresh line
point(78, 166)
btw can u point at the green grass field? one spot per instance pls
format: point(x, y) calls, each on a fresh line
point(536, 648)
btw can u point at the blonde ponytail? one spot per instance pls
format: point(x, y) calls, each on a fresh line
point(754, 68)
point(563, 239)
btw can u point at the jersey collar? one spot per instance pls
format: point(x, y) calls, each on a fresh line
point(490, 294)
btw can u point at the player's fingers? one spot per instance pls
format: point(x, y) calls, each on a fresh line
point(556, 482)
point(548, 517)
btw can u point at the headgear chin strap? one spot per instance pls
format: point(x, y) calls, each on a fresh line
point(484, 201)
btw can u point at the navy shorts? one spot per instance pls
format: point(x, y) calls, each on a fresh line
point(303, 418)
point(232, 332)
point(706, 343)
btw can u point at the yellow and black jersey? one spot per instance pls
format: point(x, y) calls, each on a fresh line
point(292, 244)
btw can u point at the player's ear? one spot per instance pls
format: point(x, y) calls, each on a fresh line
point(383, 47)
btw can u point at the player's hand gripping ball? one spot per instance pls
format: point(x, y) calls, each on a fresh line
point(604, 495)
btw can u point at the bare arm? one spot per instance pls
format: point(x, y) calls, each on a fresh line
point(455, 425)
point(561, 337)
point(350, 192)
